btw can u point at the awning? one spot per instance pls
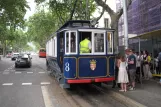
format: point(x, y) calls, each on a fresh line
point(156, 34)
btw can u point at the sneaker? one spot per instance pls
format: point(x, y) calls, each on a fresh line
point(131, 89)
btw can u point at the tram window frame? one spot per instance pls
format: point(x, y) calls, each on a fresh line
point(53, 46)
point(69, 43)
point(92, 41)
point(82, 30)
point(104, 40)
point(112, 39)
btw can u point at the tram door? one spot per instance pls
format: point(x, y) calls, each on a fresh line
point(61, 50)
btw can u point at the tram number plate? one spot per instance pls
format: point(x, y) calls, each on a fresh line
point(67, 66)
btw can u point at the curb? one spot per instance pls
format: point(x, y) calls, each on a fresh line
point(125, 100)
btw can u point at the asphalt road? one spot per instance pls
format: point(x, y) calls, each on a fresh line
point(28, 87)
point(33, 87)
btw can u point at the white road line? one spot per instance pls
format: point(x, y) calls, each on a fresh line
point(29, 72)
point(7, 84)
point(26, 83)
point(45, 83)
point(18, 72)
point(46, 97)
point(41, 72)
point(5, 72)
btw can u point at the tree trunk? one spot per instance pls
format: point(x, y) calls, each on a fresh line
point(114, 25)
point(4, 48)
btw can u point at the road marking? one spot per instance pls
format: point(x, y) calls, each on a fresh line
point(5, 72)
point(46, 97)
point(41, 72)
point(18, 72)
point(29, 72)
point(26, 83)
point(7, 84)
point(45, 83)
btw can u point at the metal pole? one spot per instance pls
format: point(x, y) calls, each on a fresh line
point(86, 9)
point(125, 23)
point(140, 63)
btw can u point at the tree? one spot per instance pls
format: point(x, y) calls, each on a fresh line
point(40, 26)
point(66, 10)
point(115, 16)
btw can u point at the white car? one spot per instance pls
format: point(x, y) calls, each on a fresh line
point(14, 56)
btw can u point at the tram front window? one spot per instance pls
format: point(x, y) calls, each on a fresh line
point(85, 42)
point(99, 42)
point(73, 42)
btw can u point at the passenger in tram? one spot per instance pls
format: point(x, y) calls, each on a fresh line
point(85, 46)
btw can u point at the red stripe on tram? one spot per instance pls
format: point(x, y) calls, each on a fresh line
point(104, 79)
point(90, 80)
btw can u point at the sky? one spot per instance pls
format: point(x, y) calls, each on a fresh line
point(32, 9)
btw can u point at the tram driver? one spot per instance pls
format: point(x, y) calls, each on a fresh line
point(85, 45)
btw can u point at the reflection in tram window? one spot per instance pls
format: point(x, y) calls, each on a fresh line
point(99, 42)
point(110, 42)
point(67, 42)
point(73, 42)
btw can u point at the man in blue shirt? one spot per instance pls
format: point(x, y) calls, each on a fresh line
point(131, 67)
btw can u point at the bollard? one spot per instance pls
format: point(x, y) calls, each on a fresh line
point(0, 58)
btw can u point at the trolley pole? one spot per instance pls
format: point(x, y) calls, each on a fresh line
point(86, 9)
point(125, 23)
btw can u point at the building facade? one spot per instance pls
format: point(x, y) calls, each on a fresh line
point(143, 16)
point(105, 20)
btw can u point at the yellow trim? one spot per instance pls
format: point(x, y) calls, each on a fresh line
point(109, 65)
point(76, 68)
point(91, 57)
point(157, 75)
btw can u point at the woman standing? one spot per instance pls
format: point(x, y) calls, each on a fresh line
point(122, 74)
point(145, 65)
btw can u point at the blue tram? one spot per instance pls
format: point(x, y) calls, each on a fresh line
point(69, 66)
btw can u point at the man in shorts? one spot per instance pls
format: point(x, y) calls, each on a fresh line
point(131, 67)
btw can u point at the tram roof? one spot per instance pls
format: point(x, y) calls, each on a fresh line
point(78, 24)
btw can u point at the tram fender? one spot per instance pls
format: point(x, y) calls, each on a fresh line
point(63, 84)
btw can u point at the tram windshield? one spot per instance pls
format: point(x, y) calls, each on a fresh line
point(90, 42)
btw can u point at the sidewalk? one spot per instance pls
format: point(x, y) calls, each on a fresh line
point(149, 94)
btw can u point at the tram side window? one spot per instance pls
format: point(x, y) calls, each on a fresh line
point(67, 42)
point(84, 38)
point(110, 43)
point(61, 42)
point(73, 42)
point(99, 43)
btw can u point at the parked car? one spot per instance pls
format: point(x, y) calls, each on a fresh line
point(9, 55)
point(23, 60)
point(14, 56)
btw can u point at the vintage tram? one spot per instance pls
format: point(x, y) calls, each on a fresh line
point(69, 66)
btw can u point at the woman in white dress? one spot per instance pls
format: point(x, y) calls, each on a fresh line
point(122, 74)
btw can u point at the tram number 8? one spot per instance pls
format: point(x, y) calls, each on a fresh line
point(67, 68)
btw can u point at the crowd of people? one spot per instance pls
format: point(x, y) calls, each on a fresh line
point(133, 67)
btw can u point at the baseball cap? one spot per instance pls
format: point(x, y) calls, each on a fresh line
point(128, 50)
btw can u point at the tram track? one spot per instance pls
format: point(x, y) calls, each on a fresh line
point(94, 96)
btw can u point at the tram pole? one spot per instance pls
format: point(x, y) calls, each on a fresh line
point(125, 23)
point(86, 9)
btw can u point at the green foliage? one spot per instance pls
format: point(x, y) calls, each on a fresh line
point(43, 23)
point(12, 12)
point(40, 27)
